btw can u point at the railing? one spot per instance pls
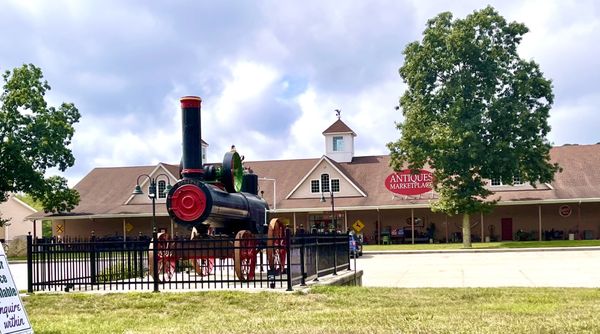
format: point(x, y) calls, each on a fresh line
point(177, 264)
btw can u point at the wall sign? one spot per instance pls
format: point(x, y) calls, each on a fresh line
point(406, 183)
point(13, 318)
point(565, 211)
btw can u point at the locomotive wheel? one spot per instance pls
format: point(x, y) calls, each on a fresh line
point(204, 267)
point(166, 259)
point(276, 246)
point(245, 255)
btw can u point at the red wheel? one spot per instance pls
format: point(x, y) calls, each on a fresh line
point(166, 259)
point(245, 255)
point(276, 246)
point(204, 267)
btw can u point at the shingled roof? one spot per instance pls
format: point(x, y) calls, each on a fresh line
point(105, 191)
point(339, 127)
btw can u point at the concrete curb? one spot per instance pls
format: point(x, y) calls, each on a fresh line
point(483, 250)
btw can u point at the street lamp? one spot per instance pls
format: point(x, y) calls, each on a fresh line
point(151, 192)
point(333, 220)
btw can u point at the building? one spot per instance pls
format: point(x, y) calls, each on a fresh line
point(342, 191)
point(17, 212)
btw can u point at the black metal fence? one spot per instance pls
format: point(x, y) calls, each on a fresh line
point(179, 264)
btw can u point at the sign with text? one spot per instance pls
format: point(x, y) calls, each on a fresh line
point(13, 318)
point(406, 183)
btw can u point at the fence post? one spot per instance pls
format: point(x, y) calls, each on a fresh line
point(334, 253)
point(288, 254)
point(29, 263)
point(317, 257)
point(302, 269)
point(155, 259)
point(93, 272)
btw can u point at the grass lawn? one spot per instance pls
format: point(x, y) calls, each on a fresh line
point(323, 310)
point(488, 245)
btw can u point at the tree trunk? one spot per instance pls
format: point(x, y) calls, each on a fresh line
point(466, 231)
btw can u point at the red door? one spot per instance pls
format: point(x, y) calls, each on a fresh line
point(507, 231)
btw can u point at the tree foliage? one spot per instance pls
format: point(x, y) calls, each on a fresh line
point(33, 138)
point(473, 110)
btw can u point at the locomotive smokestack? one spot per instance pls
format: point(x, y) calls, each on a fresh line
point(192, 134)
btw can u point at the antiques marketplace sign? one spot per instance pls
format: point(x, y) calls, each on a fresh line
point(406, 183)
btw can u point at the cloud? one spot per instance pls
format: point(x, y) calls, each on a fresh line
point(270, 73)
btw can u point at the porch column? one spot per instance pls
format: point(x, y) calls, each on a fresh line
point(482, 229)
point(412, 224)
point(378, 227)
point(124, 229)
point(540, 220)
point(345, 221)
point(294, 221)
point(446, 225)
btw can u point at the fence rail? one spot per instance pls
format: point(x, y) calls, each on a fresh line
point(177, 264)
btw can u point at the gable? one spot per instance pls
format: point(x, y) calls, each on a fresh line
point(324, 166)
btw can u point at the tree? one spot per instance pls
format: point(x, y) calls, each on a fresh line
point(33, 138)
point(473, 110)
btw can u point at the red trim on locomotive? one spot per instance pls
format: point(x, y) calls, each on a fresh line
point(190, 102)
point(192, 171)
point(188, 202)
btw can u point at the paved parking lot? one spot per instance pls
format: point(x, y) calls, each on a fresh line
point(548, 268)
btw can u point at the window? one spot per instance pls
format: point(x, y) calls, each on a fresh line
point(516, 182)
point(162, 185)
point(335, 185)
point(338, 143)
point(315, 186)
point(325, 183)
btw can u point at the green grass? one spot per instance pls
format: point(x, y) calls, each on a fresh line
point(486, 245)
point(323, 310)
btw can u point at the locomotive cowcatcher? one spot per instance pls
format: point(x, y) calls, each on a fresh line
point(221, 206)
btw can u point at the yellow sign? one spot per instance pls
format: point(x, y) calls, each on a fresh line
point(59, 228)
point(128, 227)
point(358, 225)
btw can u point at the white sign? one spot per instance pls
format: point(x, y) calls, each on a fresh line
point(13, 318)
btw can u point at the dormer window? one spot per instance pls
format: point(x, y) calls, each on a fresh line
point(162, 185)
point(324, 185)
point(496, 182)
point(338, 143)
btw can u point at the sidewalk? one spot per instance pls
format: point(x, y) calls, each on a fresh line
point(485, 250)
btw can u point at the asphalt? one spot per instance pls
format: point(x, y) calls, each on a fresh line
point(539, 267)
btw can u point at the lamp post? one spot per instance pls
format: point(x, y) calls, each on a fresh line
point(333, 220)
point(151, 192)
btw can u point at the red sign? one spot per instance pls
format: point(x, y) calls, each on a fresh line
point(564, 211)
point(406, 183)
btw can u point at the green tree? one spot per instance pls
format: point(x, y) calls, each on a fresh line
point(473, 110)
point(33, 138)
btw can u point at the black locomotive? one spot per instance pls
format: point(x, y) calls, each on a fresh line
point(223, 198)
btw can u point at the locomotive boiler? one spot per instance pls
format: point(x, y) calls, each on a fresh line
point(220, 204)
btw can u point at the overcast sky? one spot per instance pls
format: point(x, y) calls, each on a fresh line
point(270, 73)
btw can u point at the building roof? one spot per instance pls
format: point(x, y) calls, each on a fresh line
point(338, 127)
point(107, 191)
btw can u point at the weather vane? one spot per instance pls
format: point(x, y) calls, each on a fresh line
point(338, 113)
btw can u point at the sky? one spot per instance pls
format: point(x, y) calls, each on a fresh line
point(270, 73)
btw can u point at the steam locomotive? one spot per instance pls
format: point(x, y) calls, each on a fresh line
point(222, 199)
